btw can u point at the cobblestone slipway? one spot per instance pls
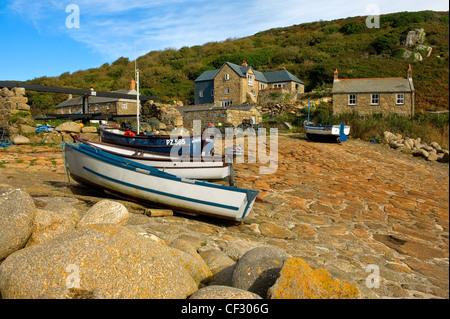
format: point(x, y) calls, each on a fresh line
point(355, 209)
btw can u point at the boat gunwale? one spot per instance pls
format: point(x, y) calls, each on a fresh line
point(191, 157)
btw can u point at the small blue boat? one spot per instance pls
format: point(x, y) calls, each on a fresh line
point(325, 133)
point(192, 145)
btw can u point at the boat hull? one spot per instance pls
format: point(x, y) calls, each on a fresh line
point(158, 143)
point(95, 168)
point(337, 133)
point(188, 166)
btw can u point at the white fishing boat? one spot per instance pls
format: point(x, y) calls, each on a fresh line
point(205, 168)
point(93, 167)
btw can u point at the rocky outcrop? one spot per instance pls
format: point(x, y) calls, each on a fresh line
point(414, 41)
point(416, 36)
point(160, 118)
point(431, 152)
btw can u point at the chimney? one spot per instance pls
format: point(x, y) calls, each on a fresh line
point(70, 97)
point(409, 73)
point(284, 67)
point(336, 75)
point(132, 84)
point(244, 64)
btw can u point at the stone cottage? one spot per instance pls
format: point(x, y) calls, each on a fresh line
point(374, 95)
point(234, 85)
point(105, 105)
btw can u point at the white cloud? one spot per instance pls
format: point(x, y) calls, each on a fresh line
point(111, 27)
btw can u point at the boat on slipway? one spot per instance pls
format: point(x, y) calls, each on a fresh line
point(93, 167)
point(195, 167)
point(193, 145)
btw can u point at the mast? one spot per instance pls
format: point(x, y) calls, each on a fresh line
point(137, 102)
point(138, 110)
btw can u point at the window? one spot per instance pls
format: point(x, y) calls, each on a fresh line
point(352, 99)
point(250, 79)
point(212, 92)
point(280, 86)
point(108, 106)
point(375, 99)
point(201, 94)
point(227, 103)
point(400, 98)
point(227, 76)
point(227, 91)
point(253, 92)
point(263, 86)
point(124, 105)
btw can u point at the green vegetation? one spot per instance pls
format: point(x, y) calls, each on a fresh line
point(310, 51)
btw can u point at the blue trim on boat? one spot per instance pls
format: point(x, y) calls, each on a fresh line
point(161, 193)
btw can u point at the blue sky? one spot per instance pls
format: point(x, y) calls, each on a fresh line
point(35, 40)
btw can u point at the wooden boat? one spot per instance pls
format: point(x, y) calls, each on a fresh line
point(93, 167)
point(335, 133)
point(326, 133)
point(193, 145)
point(215, 168)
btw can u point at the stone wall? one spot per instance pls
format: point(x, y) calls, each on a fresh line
point(234, 117)
point(11, 102)
point(364, 107)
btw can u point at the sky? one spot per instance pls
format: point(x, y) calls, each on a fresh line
point(50, 37)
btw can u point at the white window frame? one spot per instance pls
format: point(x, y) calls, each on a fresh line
point(226, 103)
point(280, 86)
point(201, 93)
point(124, 105)
point(375, 99)
point(250, 79)
point(227, 76)
point(400, 99)
point(253, 92)
point(352, 99)
point(263, 86)
point(227, 91)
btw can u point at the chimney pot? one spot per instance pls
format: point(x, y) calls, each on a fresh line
point(132, 84)
point(244, 64)
point(336, 75)
point(409, 72)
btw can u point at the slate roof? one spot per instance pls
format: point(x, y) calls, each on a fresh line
point(207, 75)
point(266, 77)
point(374, 85)
point(281, 76)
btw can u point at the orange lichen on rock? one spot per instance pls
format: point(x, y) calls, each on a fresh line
point(299, 281)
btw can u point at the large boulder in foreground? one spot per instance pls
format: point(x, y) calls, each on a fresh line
point(258, 269)
point(105, 212)
point(299, 281)
point(17, 212)
point(111, 260)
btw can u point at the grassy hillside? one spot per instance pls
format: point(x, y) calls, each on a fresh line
point(310, 51)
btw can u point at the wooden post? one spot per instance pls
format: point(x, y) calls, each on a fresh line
point(231, 180)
